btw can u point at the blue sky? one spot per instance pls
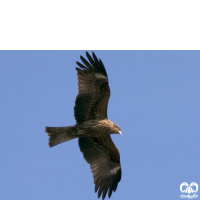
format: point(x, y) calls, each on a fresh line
point(155, 99)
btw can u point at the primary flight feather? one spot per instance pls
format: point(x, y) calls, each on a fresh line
point(92, 126)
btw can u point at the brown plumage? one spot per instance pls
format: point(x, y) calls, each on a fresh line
point(92, 127)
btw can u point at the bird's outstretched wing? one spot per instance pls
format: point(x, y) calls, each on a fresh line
point(94, 92)
point(104, 160)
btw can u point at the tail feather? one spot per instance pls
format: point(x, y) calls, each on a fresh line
point(58, 135)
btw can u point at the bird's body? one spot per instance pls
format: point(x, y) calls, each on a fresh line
point(92, 127)
point(98, 128)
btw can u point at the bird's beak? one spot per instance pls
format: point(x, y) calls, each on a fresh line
point(120, 132)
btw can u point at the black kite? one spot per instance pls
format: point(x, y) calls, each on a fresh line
point(93, 129)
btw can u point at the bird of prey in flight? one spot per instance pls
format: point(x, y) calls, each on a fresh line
point(92, 126)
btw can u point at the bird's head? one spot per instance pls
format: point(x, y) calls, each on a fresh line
point(117, 129)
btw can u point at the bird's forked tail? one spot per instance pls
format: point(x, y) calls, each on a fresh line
point(58, 135)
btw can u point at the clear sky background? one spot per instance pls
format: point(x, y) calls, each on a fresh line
point(155, 98)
